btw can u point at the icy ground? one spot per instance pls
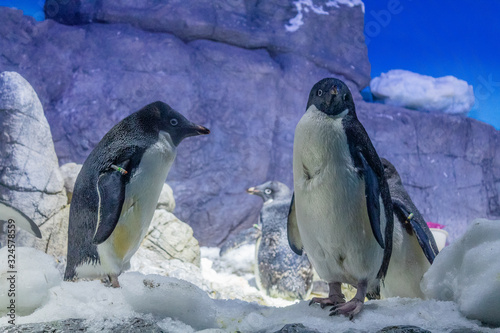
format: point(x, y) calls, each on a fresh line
point(421, 92)
point(181, 306)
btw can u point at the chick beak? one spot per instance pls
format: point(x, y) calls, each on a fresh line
point(252, 190)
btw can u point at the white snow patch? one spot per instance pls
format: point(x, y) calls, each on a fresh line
point(302, 5)
point(169, 297)
point(179, 306)
point(421, 92)
point(308, 5)
point(468, 272)
point(350, 3)
point(37, 277)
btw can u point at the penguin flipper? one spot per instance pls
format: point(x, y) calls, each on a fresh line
point(111, 190)
point(419, 227)
point(372, 193)
point(8, 212)
point(294, 239)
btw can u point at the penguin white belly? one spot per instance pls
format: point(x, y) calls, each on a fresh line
point(141, 197)
point(330, 202)
point(407, 266)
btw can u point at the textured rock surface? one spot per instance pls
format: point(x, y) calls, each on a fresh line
point(166, 200)
point(29, 172)
point(449, 165)
point(69, 172)
point(171, 238)
point(131, 325)
point(250, 92)
point(247, 24)
point(55, 235)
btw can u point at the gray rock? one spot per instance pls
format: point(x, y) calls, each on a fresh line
point(56, 241)
point(172, 238)
point(449, 165)
point(166, 200)
point(131, 325)
point(91, 76)
point(403, 329)
point(296, 328)
point(246, 24)
point(29, 172)
point(69, 172)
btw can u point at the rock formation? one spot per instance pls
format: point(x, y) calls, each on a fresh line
point(234, 67)
point(29, 171)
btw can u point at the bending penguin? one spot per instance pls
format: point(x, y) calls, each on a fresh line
point(414, 247)
point(117, 190)
point(9, 212)
point(341, 212)
point(279, 271)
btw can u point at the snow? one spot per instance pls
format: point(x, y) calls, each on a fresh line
point(37, 279)
point(307, 5)
point(421, 92)
point(350, 3)
point(468, 272)
point(180, 306)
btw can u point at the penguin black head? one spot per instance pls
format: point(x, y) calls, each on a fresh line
point(331, 96)
point(270, 191)
point(175, 124)
point(390, 172)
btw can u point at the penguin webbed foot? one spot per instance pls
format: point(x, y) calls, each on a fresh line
point(355, 305)
point(111, 281)
point(335, 296)
point(326, 301)
point(351, 308)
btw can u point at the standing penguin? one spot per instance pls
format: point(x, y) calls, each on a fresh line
point(279, 271)
point(414, 247)
point(117, 190)
point(341, 212)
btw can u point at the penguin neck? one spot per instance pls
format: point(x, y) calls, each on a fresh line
point(313, 109)
point(166, 139)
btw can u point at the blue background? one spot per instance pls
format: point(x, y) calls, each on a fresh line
point(438, 38)
point(430, 37)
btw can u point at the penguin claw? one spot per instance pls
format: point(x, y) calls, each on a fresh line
point(350, 309)
point(111, 281)
point(324, 302)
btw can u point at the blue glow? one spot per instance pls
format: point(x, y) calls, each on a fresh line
point(29, 7)
point(439, 38)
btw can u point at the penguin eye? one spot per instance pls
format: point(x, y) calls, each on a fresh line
point(267, 191)
point(320, 92)
point(174, 122)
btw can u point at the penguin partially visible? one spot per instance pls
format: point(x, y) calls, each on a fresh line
point(414, 247)
point(117, 190)
point(244, 237)
point(9, 213)
point(341, 213)
point(279, 272)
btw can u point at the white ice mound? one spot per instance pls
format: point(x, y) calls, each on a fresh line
point(468, 272)
point(421, 92)
point(36, 273)
point(169, 297)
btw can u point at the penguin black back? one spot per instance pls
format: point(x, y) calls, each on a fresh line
point(101, 186)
